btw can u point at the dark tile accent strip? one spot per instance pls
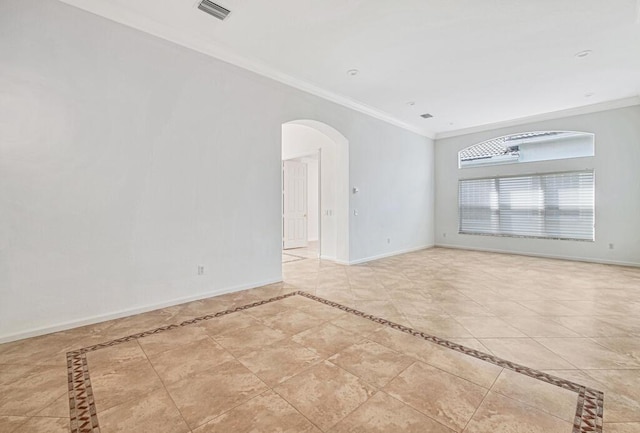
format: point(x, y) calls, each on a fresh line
point(589, 411)
point(82, 409)
point(83, 417)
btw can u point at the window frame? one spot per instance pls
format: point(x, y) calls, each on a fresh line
point(517, 148)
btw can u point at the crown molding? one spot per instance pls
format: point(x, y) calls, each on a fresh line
point(162, 31)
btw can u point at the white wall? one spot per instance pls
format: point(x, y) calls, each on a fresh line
point(312, 200)
point(395, 176)
point(127, 161)
point(617, 173)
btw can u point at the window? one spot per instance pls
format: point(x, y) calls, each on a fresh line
point(528, 147)
point(554, 206)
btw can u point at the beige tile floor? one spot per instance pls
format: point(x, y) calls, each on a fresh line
point(302, 366)
point(296, 254)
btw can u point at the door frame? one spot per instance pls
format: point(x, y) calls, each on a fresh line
point(337, 146)
point(317, 155)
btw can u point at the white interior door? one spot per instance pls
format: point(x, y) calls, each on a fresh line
point(294, 214)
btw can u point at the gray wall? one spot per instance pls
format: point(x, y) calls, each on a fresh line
point(126, 161)
point(617, 170)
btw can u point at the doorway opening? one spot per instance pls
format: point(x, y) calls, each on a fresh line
point(301, 207)
point(315, 192)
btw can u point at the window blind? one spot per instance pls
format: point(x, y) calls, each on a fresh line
point(555, 205)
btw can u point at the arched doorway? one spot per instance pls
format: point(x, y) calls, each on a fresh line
point(306, 140)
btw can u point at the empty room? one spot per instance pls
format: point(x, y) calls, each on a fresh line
point(298, 216)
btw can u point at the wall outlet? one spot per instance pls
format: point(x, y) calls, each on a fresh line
point(200, 269)
point(444, 235)
point(610, 246)
point(388, 240)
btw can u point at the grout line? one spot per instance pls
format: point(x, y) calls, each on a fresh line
point(293, 255)
point(483, 399)
point(329, 360)
point(269, 387)
point(432, 339)
point(420, 412)
point(398, 375)
point(164, 386)
point(594, 403)
point(290, 404)
point(376, 390)
point(557, 354)
point(295, 408)
point(81, 405)
point(243, 366)
point(20, 425)
point(588, 398)
point(423, 361)
point(119, 367)
point(523, 403)
point(46, 407)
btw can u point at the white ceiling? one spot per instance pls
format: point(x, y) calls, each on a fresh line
point(467, 62)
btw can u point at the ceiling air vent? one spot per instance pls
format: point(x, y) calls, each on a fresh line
point(426, 116)
point(213, 9)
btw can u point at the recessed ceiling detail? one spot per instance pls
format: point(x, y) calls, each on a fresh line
point(426, 116)
point(214, 9)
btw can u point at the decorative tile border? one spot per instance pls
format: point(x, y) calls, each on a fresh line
point(589, 410)
point(83, 416)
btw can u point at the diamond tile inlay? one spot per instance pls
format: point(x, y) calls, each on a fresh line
point(84, 418)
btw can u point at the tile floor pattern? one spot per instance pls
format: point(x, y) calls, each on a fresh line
point(312, 367)
point(287, 257)
point(296, 254)
point(324, 391)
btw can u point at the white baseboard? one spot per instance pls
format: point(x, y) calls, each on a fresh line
point(129, 312)
point(390, 254)
point(338, 261)
point(330, 258)
point(546, 256)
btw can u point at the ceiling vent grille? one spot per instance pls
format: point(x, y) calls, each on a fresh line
point(214, 9)
point(426, 116)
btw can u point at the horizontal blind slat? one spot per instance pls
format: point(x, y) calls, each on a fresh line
point(558, 205)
